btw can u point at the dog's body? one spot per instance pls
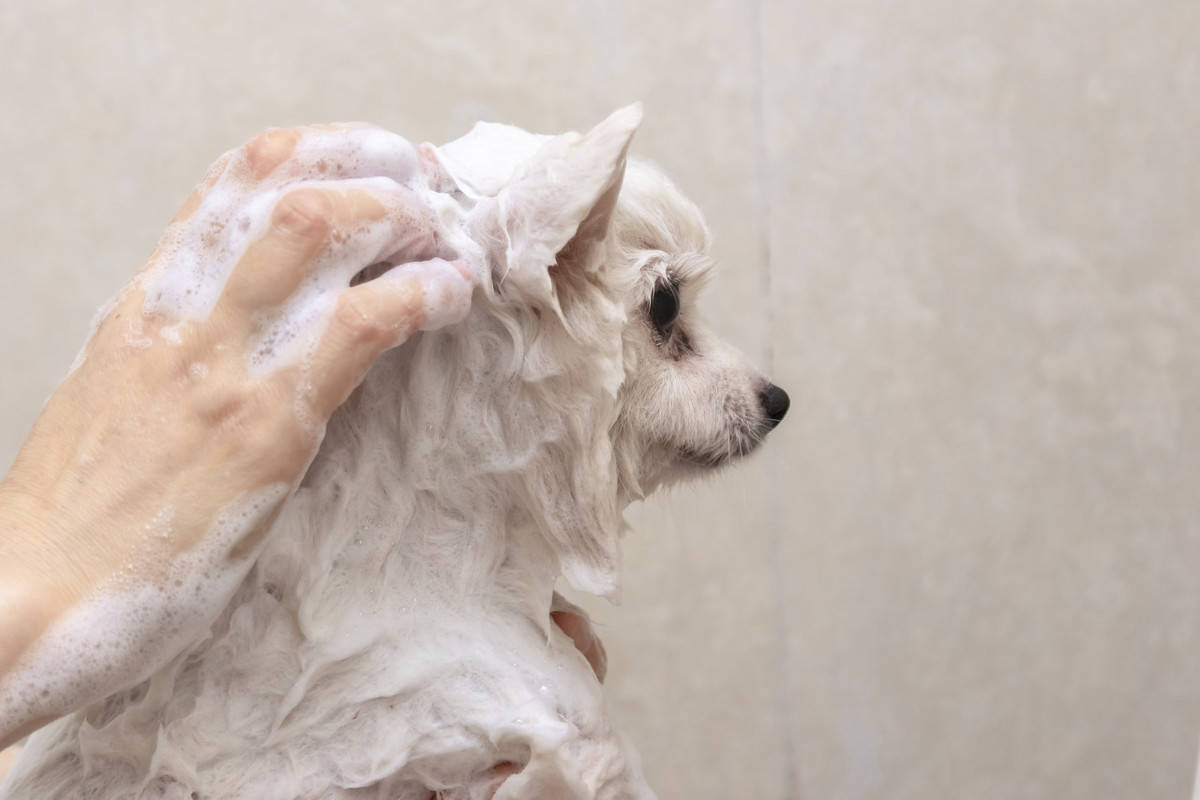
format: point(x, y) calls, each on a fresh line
point(393, 638)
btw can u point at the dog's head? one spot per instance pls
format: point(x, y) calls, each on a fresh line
point(690, 401)
point(593, 266)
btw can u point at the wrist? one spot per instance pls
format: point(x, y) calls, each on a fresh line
point(39, 583)
point(27, 611)
point(37, 550)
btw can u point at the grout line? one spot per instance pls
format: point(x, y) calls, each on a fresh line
point(763, 211)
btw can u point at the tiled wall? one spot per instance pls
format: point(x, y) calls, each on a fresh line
point(964, 234)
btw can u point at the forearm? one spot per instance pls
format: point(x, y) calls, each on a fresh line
point(7, 757)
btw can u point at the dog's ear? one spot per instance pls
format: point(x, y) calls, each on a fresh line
point(557, 209)
point(543, 231)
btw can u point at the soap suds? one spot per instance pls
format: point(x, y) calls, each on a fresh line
point(128, 626)
point(198, 253)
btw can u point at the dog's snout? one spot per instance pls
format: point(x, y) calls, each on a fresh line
point(775, 403)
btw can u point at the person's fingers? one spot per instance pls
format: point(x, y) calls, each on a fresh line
point(575, 622)
point(598, 658)
point(206, 183)
point(327, 231)
point(577, 626)
point(352, 150)
point(500, 773)
point(381, 313)
point(274, 265)
point(281, 156)
point(313, 152)
point(260, 156)
point(8, 758)
point(483, 787)
point(324, 152)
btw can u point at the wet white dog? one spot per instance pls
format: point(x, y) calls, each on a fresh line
point(394, 639)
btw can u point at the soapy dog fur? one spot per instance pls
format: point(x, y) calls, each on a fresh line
point(393, 639)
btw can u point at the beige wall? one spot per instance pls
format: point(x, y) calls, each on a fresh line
point(962, 233)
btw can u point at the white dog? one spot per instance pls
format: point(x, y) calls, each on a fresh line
point(393, 640)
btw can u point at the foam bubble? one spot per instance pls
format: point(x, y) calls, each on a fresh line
point(197, 255)
point(161, 524)
point(128, 626)
point(170, 334)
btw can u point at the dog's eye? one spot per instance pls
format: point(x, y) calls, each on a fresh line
point(664, 308)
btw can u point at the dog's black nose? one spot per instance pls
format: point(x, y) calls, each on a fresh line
point(775, 403)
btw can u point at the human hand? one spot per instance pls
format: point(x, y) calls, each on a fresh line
point(144, 489)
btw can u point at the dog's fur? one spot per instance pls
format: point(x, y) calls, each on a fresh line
point(393, 639)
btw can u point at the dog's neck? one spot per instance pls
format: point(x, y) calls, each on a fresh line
point(447, 477)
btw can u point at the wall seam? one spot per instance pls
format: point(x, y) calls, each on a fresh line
point(763, 212)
